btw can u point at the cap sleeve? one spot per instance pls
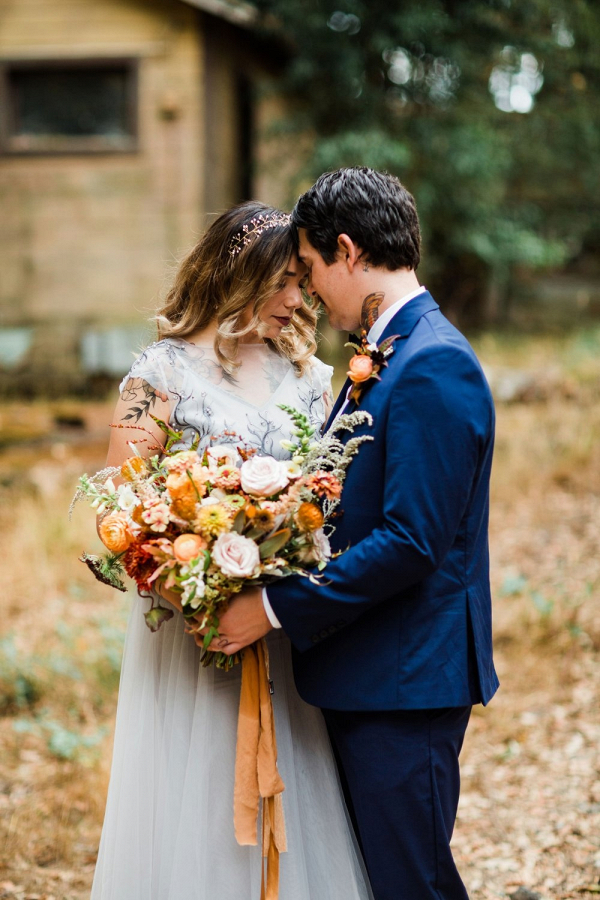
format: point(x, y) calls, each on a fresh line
point(149, 366)
point(321, 375)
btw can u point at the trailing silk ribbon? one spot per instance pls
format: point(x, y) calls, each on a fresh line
point(256, 774)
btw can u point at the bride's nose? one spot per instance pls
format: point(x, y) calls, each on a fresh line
point(294, 299)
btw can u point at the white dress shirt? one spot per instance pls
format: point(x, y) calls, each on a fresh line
point(373, 336)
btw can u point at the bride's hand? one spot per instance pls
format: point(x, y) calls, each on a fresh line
point(244, 622)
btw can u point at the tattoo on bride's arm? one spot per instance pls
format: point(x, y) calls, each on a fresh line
point(142, 396)
point(370, 309)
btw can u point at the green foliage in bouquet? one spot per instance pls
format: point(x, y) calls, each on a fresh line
point(201, 527)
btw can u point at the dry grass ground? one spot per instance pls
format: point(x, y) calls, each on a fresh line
point(530, 808)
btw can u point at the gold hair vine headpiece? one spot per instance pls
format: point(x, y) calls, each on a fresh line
point(255, 227)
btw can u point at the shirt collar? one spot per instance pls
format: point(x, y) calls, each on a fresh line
point(386, 317)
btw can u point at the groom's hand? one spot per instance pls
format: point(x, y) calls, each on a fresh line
point(244, 622)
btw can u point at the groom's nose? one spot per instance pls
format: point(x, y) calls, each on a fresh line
point(310, 288)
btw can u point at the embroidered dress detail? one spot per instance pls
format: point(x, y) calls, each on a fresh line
point(168, 832)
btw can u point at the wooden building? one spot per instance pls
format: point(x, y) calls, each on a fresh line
point(123, 125)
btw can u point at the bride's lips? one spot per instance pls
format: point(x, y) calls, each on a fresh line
point(283, 320)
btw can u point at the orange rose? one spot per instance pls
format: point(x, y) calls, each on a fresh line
point(115, 533)
point(187, 546)
point(361, 368)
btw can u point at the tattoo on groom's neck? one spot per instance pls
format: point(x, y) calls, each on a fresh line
point(370, 310)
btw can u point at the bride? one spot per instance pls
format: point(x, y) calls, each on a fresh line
point(235, 340)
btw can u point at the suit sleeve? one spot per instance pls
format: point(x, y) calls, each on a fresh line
point(439, 421)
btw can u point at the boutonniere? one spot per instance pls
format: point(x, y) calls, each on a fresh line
point(367, 362)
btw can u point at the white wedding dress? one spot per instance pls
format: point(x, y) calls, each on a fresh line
point(168, 829)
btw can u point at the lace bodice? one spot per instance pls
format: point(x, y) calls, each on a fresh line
point(224, 409)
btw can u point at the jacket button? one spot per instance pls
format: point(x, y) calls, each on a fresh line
point(333, 629)
point(324, 633)
point(315, 638)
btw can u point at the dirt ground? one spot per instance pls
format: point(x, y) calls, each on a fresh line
point(529, 818)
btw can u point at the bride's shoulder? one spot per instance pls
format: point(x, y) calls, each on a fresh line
point(320, 374)
point(154, 362)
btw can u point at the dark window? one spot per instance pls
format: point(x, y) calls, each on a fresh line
point(69, 106)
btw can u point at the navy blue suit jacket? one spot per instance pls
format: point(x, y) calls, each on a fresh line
point(403, 617)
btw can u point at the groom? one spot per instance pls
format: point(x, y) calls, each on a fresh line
point(395, 646)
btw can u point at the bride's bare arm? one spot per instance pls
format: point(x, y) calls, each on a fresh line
point(131, 424)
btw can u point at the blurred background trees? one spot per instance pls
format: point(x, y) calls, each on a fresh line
point(486, 109)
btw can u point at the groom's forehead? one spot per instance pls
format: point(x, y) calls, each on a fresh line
point(306, 251)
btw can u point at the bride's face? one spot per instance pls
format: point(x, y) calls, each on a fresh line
point(278, 311)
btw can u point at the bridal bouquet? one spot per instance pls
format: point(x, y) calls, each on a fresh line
point(206, 525)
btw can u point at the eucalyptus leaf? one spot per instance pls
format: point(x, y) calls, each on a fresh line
point(273, 544)
point(239, 522)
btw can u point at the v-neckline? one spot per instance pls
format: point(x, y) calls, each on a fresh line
point(232, 394)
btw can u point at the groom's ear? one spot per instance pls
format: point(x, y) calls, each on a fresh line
point(348, 251)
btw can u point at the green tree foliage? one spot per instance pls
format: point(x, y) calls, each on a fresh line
point(486, 109)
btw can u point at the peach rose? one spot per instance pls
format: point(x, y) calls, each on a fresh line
point(187, 547)
point(263, 476)
point(361, 368)
point(114, 532)
point(236, 556)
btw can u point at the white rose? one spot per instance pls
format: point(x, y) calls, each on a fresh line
point(127, 499)
point(321, 545)
point(319, 550)
point(236, 555)
point(263, 476)
point(223, 451)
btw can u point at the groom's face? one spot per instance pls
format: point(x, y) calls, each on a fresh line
point(331, 285)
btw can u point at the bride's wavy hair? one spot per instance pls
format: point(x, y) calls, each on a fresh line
point(213, 282)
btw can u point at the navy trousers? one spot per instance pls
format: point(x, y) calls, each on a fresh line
point(400, 773)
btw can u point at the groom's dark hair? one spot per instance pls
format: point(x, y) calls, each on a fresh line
point(371, 207)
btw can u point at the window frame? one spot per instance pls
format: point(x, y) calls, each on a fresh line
point(11, 144)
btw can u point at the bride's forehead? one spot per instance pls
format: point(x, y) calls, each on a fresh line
point(295, 265)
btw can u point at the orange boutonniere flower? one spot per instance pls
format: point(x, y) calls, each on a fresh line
point(368, 361)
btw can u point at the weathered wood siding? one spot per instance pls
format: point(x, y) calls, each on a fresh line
point(86, 239)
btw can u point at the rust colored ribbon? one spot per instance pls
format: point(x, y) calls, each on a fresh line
point(256, 774)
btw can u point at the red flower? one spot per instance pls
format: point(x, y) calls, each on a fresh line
point(139, 564)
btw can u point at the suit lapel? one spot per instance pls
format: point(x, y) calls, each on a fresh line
point(407, 316)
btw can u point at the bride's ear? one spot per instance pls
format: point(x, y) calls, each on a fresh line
point(348, 251)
